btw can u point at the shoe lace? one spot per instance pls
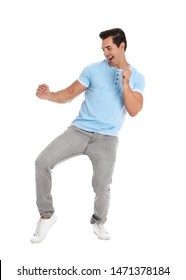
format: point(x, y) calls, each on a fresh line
point(39, 227)
point(101, 227)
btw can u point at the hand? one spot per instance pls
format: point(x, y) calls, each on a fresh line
point(126, 74)
point(43, 92)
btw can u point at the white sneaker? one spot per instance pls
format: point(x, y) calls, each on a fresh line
point(101, 232)
point(42, 229)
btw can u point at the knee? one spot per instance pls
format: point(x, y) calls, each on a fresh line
point(101, 188)
point(39, 162)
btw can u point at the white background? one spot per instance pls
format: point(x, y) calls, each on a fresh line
point(51, 42)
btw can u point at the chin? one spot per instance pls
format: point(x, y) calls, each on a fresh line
point(112, 63)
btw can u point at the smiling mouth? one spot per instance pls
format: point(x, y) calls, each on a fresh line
point(110, 58)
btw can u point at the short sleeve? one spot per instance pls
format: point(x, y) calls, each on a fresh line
point(139, 83)
point(84, 77)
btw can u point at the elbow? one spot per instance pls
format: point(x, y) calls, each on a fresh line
point(134, 113)
point(67, 101)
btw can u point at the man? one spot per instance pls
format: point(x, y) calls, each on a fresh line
point(112, 88)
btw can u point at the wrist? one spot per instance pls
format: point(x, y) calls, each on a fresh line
point(126, 83)
point(51, 96)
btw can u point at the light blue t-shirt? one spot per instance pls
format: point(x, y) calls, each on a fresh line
point(103, 110)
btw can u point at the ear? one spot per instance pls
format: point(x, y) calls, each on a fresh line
point(122, 45)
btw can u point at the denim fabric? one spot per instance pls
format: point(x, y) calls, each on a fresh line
point(101, 150)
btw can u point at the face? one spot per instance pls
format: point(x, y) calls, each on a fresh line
point(112, 53)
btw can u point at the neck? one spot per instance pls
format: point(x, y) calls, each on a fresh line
point(122, 63)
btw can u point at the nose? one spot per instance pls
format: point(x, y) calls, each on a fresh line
point(106, 53)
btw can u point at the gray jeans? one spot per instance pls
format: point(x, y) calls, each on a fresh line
point(101, 149)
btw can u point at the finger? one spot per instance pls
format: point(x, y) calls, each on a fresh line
point(127, 67)
point(41, 90)
point(42, 87)
point(124, 74)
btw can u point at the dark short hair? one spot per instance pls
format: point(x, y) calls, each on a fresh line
point(117, 34)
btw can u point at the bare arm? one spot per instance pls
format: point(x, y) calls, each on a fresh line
point(133, 99)
point(62, 96)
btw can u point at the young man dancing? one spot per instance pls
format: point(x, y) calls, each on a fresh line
point(112, 89)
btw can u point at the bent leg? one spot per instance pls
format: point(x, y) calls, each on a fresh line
point(67, 145)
